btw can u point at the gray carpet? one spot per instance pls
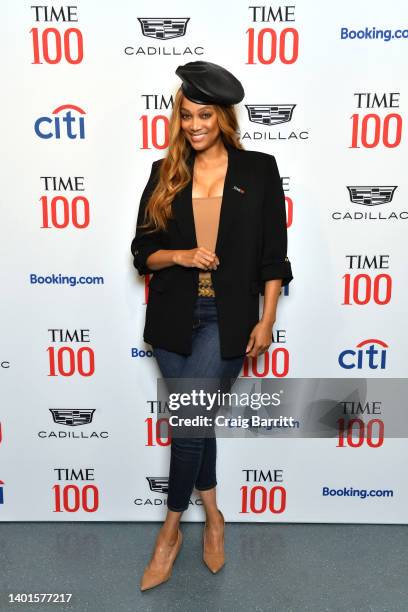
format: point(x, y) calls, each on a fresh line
point(279, 567)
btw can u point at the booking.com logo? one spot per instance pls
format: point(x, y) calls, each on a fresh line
point(352, 492)
point(61, 279)
point(372, 34)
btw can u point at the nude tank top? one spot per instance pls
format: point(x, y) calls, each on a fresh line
point(206, 219)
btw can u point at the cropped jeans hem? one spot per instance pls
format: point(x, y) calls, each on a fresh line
point(176, 509)
point(206, 488)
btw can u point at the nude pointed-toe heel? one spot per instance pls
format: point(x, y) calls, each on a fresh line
point(152, 578)
point(214, 560)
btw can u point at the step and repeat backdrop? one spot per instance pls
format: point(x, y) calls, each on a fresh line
point(87, 93)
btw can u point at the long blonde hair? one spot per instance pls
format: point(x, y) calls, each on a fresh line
point(175, 172)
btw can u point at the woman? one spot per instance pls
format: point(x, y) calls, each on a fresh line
point(212, 229)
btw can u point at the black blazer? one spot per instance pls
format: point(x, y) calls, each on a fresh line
point(251, 246)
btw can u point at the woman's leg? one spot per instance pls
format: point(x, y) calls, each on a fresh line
point(193, 460)
point(210, 364)
point(170, 365)
point(185, 458)
point(186, 453)
point(207, 474)
point(205, 362)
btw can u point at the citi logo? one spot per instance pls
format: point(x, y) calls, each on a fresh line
point(66, 121)
point(371, 195)
point(369, 353)
point(163, 28)
point(270, 114)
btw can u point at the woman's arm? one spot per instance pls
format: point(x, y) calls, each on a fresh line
point(275, 269)
point(147, 248)
point(272, 292)
point(274, 262)
point(144, 244)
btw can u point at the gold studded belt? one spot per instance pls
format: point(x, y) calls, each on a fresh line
point(205, 287)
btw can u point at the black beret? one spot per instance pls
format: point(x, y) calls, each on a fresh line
point(208, 83)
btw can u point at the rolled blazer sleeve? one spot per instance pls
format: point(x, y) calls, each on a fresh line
point(274, 261)
point(144, 244)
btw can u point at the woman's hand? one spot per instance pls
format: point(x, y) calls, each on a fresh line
point(260, 339)
point(196, 258)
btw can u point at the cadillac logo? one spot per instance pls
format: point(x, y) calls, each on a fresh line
point(270, 114)
point(163, 28)
point(371, 195)
point(74, 417)
point(159, 484)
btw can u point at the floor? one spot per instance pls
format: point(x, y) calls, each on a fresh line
point(269, 567)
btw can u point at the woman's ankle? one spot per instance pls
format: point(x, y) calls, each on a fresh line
point(214, 518)
point(169, 534)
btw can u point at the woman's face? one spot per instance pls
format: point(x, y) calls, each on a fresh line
point(199, 123)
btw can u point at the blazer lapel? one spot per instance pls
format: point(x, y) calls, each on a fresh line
point(231, 199)
point(182, 207)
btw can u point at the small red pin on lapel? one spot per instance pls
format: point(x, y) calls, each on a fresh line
point(239, 189)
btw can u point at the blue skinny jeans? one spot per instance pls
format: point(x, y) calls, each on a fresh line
point(193, 460)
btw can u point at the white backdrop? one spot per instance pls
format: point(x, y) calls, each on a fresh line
point(86, 99)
